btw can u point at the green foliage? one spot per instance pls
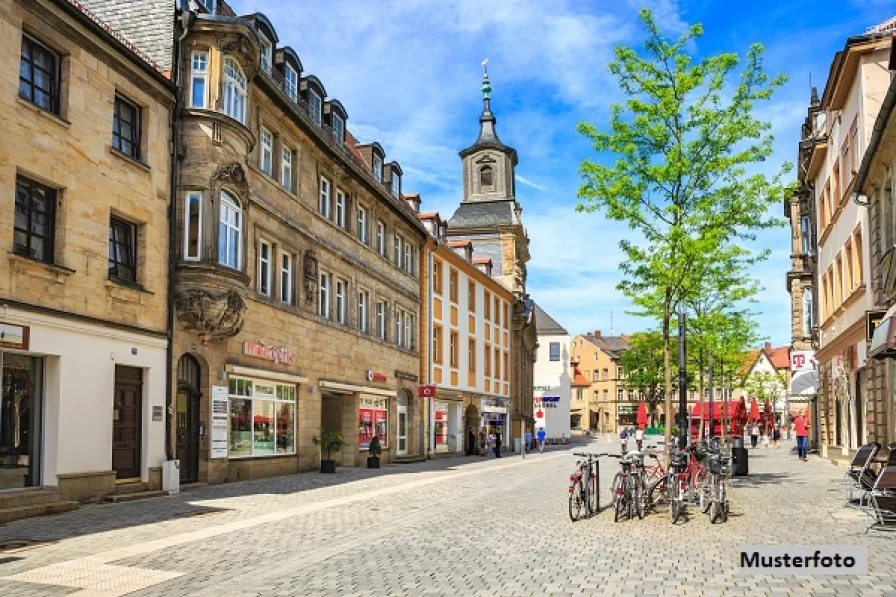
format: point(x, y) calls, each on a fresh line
point(329, 440)
point(375, 448)
point(643, 365)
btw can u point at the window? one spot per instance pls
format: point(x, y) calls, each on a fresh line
point(262, 418)
point(408, 331)
point(845, 158)
point(396, 249)
point(471, 355)
point(506, 366)
point(373, 419)
point(619, 394)
point(859, 264)
point(808, 312)
point(595, 396)
point(338, 129)
point(487, 353)
point(838, 281)
point(596, 376)
point(323, 307)
point(362, 224)
point(193, 227)
point(340, 208)
point(579, 395)
point(378, 168)
point(497, 311)
point(606, 374)
point(452, 346)
point(381, 239)
point(606, 395)
point(506, 315)
point(555, 351)
point(471, 297)
point(437, 345)
point(324, 204)
point(363, 300)
point(497, 363)
point(209, 5)
point(286, 278)
point(126, 128)
point(291, 82)
point(340, 301)
point(805, 236)
point(835, 186)
point(286, 169)
point(234, 91)
point(122, 251)
point(853, 163)
point(399, 327)
point(266, 51)
point(314, 106)
point(437, 276)
point(198, 79)
point(408, 262)
point(396, 186)
point(488, 305)
point(486, 178)
point(230, 232)
point(264, 268)
point(452, 285)
point(825, 304)
point(849, 279)
point(267, 152)
point(620, 373)
point(381, 320)
point(39, 75)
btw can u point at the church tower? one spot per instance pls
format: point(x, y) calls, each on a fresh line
point(489, 214)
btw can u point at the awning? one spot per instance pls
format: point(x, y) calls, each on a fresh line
point(265, 374)
point(804, 383)
point(883, 342)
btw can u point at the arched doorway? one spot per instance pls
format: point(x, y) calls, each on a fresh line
point(187, 417)
point(402, 439)
point(472, 422)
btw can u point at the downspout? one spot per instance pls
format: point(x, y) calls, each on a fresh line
point(186, 21)
point(429, 352)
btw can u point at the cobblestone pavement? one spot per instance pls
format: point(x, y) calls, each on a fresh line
point(468, 526)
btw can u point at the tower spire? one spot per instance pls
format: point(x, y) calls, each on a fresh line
point(487, 120)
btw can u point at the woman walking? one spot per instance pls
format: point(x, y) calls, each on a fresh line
point(776, 436)
point(754, 434)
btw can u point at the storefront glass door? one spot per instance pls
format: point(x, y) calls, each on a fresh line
point(21, 399)
point(402, 430)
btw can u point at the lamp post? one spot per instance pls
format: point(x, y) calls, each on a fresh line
point(682, 380)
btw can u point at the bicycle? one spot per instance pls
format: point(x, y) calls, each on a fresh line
point(583, 486)
point(717, 491)
point(676, 484)
point(629, 492)
point(656, 480)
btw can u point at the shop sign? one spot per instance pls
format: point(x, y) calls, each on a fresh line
point(539, 414)
point(541, 388)
point(872, 320)
point(802, 360)
point(278, 354)
point(377, 377)
point(547, 402)
point(14, 336)
point(493, 406)
point(427, 391)
point(219, 422)
point(406, 376)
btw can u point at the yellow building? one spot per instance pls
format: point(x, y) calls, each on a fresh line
point(607, 403)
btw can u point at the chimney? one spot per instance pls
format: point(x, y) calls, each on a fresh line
point(768, 347)
point(597, 334)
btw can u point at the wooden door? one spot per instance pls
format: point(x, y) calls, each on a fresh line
point(188, 435)
point(127, 422)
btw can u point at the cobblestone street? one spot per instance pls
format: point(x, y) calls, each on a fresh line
point(446, 527)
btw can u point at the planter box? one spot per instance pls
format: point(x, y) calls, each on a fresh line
point(328, 466)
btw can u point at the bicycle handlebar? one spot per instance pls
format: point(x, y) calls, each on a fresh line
point(588, 454)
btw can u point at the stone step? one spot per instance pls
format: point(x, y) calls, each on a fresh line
point(117, 498)
point(28, 497)
point(131, 487)
point(30, 511)
point(408, 459)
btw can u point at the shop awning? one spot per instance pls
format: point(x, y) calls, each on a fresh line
point(804, 383)
point(265, 374)
point(883, 343)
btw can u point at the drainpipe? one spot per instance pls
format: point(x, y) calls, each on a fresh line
point(186, 21)
point(430, 402)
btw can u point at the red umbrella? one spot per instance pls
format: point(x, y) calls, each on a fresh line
point(754, 409)
point(642, 415)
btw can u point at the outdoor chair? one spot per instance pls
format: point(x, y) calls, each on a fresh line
point(861, 475)
point(882, 501)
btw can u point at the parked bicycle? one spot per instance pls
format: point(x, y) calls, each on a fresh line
point(629, 491)
point(583, 486)
point(714, 496)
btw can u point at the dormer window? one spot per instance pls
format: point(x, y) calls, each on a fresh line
point(378, 168)
point(486, 177)
point(266, 52)
point(291, 82)
point(338, 129)
point(209, 5)
point(315, 106)
point(396, 186)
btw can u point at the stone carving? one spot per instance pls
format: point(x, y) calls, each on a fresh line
point(232, 173)
point(215, 316)
point(310, 270)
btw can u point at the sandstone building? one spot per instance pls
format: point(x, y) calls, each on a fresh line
point(611, 406)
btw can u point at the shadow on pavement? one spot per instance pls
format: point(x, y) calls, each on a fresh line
point(759, 479)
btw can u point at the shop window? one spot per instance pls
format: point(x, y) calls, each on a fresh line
point(230, 232)
point(126, 127)
point(122, 251)
point(373, 420)
point(198, 79)
point(39, 75)
point(234, 91)
point(34, 224)
point(193, 226)
point(262, 418)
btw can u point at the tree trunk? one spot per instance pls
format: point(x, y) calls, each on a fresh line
point(667, 368)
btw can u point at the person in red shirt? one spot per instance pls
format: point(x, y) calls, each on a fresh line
point(802, 435)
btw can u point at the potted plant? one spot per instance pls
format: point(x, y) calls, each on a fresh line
point(373, 453)
point(329, 440)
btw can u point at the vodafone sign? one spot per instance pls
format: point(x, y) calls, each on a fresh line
point(426, 391)
point(374, 376)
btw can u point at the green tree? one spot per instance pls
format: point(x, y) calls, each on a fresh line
point(643, 366)
point(683, 142)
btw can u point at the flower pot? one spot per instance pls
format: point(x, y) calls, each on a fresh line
point(373, 462)
point(328, 466)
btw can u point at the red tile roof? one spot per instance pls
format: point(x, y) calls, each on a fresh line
point(579, 379)
point(779, 356)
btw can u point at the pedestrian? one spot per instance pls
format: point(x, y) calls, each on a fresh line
point(497, 444)
point(801, 427)
point(471, 442)
point(766, 432)
point(528, 445)
point(754, 434)
point(482, 439)
point(563, 438)
point(639, 438)
point(776, 436)
point(541, 435)
point(490, 440)
point(789, 427)
point(623, 439)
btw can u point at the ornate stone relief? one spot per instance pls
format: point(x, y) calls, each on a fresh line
point(215, 316)
point(310, 271)
point(232, 174)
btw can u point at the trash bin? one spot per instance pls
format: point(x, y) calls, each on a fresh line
point(738, 441)
point(739, 461)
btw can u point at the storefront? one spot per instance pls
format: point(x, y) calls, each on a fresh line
point(440, 433)
point(626, 416)
point(21, 402)
point(373, 421)
point(494, 417)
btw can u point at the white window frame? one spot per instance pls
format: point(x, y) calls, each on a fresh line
point(323, 205)
point(266, 157)
point(362, 224)
point(187, 200)
point(277, 398)
point(808, 311)
point(408, 333)
point(381, 319)
point(323, 307)
point(396, 249)
point(399, 327)
point(198, 72)
point(408, 262)
point(233, 207)
point(209, 5)
point(286, 168)
point(340, 208)
point(286, 277)
point(341, 289)
point(396, 185)
point(267, 53)
point(380, 238)
point(291, 82)
point(315, 106)
point(338, 131)
point(377, 168)
point(235, 90)
point(264, 273)
point(363, 302)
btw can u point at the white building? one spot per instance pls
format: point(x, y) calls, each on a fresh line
point(552, 382)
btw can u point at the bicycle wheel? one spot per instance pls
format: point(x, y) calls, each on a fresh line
point(593, 498)
point(639, 496)
point(706, 491)
point(657, 494)
point(676, 501)
point(696, 485)
point(618, 497)
point(715, 511)
point(575, 501)
point(723, 500)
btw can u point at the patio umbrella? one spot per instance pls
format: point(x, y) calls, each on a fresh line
point(754, 410)
point(642, 415)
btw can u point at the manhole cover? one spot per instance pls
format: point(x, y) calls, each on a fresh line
point(15, 545)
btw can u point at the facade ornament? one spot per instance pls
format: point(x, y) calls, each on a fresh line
point(310, 272)
point(233, 174)
point(214, 316)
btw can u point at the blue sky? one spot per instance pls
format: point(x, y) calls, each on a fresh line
point(408, 72)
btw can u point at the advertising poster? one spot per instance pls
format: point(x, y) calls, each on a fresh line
point(219, 422)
